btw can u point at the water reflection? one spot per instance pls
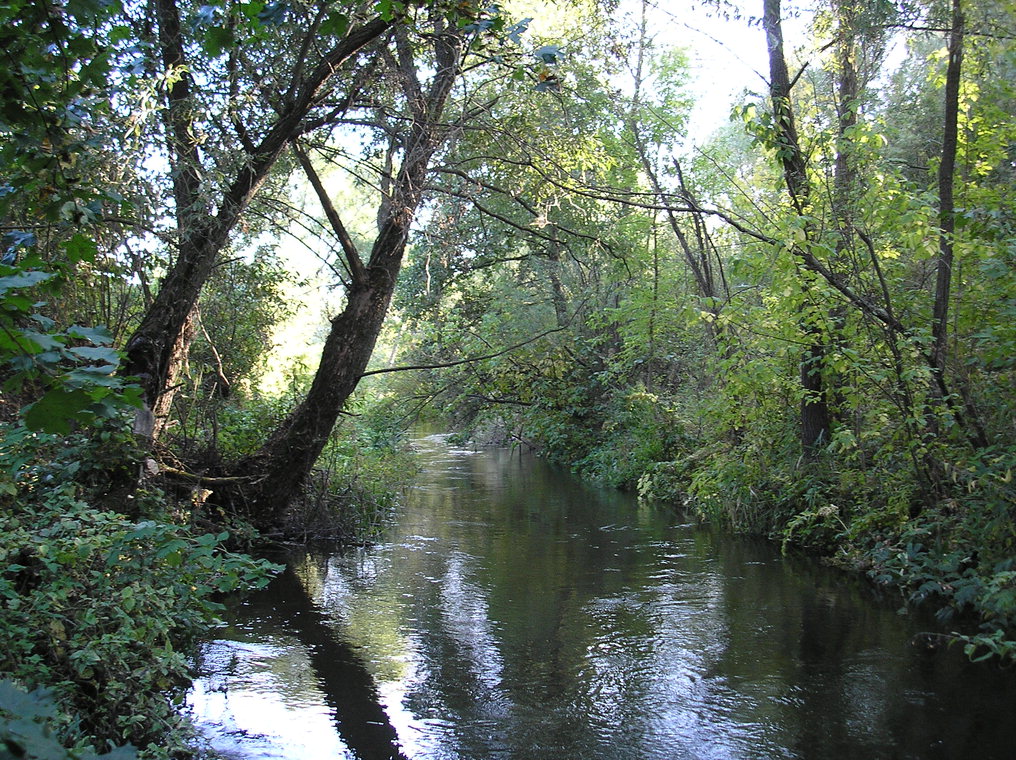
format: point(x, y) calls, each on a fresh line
point(305, 693)
point(515, 613)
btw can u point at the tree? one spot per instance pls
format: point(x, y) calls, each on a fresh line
point(279, 468)
point(814, 403)
point(211, 188)
point(946, 206)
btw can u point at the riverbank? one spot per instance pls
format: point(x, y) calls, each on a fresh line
point(951, 549)
point(101, 603)
point(954, 553)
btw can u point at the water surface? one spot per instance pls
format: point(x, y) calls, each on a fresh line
point(516, 613)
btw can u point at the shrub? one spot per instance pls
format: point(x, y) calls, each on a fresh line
point(26, 729)
point(98, 607)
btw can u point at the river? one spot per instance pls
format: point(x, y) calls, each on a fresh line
point(515, 613)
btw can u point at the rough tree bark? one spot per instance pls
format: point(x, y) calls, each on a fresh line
point(814, 413)
point(277, 472)
point(155, 350)
point(946, 211)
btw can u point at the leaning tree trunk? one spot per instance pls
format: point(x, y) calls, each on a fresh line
point(286, 458)
point(155, 348)
point(275, 475)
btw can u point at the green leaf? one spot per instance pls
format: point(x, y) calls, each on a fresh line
point(24, 280)
point(56, 410)
point(217, 41)
point(335, 24)
point(45, 341)
point(43, 321)
point(515, 31)
point(274, 13)
point(34, 705)
point(99, 335)
point(120, 33)
point(384, 9)
point(81, 248)
point(97, 354)
point(251, 10)
point(85, 11)
point(94, 377)
point(548, 53)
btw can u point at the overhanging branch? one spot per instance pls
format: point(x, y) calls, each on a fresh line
point(356, 268)
point(470, 360)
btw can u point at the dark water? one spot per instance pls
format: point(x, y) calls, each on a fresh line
point(515, 613)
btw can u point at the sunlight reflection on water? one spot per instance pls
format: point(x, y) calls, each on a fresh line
point(515, 613)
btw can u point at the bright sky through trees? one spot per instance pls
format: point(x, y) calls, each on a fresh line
point(726, 49)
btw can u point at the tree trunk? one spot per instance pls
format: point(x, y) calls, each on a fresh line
point(277, 472)
point(175, 371)
point(968, 417)
point(844, 175)
point(287, 457)
point(814, 413)
point(946, 211)
point(202, 233)
point(558, 296)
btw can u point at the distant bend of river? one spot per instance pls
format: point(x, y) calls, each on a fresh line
point(515, 613)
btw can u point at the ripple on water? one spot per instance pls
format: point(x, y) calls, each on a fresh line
point(515, 614)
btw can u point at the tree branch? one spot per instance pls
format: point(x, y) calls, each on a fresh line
point(356, 268)
point(470, 360)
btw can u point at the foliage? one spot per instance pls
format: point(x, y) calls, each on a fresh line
point(637, 432)
point(960, 552)
point(648, 314)
point(98, 607)
point(694, 386)
point(26, 729)
point(52, 134)
point(240, 307)
point(54, 85)
point(72, 371)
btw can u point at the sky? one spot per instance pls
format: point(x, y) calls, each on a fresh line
point(727, 50)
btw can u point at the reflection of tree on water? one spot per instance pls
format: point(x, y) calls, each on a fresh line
point(527, 616)
point(348, 686)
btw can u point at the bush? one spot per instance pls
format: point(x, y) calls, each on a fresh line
point(639, 431)
point(959, 552)
point(26, 729)
point(98, 607)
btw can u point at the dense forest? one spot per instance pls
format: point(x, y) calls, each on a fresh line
point(496, 218)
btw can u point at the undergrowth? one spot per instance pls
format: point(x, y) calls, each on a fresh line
point(356, 485)
point(103, 596)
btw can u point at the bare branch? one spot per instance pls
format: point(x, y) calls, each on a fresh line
point(356, 268)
